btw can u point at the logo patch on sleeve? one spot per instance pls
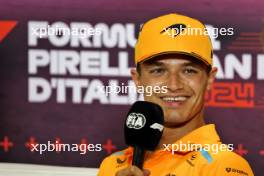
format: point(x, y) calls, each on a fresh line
point(233, 170)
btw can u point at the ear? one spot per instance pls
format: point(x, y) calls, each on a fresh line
point(211, 78)
point(135, 76)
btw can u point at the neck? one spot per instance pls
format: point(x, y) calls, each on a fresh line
point(172, 134)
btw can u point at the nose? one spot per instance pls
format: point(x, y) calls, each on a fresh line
point(174, 82)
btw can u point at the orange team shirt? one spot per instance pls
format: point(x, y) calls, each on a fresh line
point(203, 162)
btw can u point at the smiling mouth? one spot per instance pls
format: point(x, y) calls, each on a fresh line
point(174, 100)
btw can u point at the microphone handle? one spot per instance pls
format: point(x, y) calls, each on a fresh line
point(138, 157)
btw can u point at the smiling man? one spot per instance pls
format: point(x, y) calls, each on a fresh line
point(169, 53)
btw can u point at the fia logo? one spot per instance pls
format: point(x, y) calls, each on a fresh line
point(136, 121)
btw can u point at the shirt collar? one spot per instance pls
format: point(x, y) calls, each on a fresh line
point(202, 136)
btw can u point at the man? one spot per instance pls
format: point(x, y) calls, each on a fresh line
point(168, 53)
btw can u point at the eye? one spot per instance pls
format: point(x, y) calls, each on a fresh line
point(190, 71)
point(157, 71)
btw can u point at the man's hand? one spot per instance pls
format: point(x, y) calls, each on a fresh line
point(133, 171)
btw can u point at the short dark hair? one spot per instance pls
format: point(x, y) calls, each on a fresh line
point(138, 68)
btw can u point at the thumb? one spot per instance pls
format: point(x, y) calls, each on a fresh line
point(146, 172)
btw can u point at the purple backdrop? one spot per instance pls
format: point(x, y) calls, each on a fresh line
point(235, 104)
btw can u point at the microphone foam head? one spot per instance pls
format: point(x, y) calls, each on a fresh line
point(144, 125)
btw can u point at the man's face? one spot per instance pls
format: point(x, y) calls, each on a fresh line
point(187, 81)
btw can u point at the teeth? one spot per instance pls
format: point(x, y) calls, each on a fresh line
point(171, 99)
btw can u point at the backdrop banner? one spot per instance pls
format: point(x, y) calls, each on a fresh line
point(59, 62)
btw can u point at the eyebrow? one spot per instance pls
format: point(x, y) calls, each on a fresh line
point(187, 63)
point(155, 63)
point(194, 64)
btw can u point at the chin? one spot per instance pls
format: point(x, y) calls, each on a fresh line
point(170, 124)
point(175, 120)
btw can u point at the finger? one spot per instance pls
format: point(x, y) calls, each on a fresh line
point(146, 172)
point(135, 170)
point(130, 171)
